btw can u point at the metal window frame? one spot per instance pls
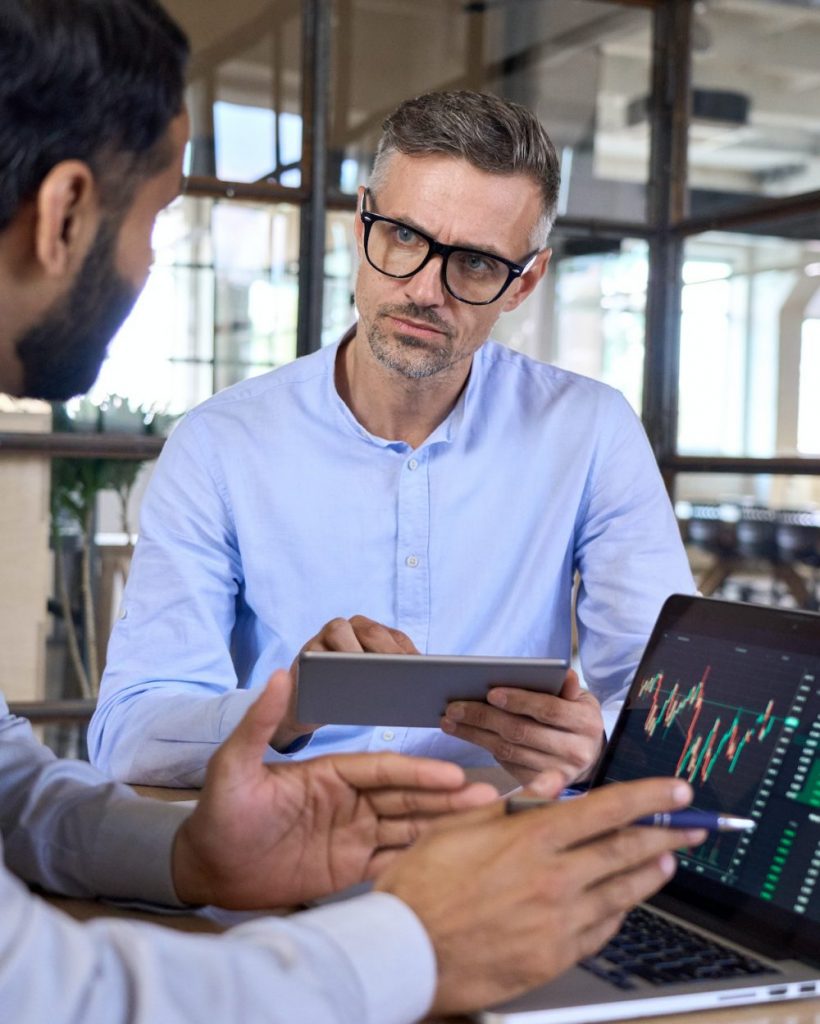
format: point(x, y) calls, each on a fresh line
point(666, 228)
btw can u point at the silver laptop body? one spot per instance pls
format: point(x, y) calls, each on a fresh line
point(727, 696)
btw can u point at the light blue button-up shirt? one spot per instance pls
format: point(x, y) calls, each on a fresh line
point(272, 510)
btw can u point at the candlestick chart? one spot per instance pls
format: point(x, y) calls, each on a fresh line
point(741, 723)
point(725, 739)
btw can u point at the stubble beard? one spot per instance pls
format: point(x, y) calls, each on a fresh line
point(408, 355)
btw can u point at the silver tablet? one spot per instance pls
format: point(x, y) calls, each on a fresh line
point(408, 689)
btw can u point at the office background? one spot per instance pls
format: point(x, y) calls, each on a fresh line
point(686, 272)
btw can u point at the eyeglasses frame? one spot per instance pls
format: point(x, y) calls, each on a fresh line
point(436, 248)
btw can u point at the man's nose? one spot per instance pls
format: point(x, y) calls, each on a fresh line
point(426, 288)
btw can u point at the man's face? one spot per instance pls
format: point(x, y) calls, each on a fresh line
point(62, 354)
point(414, 326)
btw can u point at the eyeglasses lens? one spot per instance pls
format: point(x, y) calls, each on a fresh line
point(397, 250)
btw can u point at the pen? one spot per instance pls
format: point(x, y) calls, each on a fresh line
point(712, 821)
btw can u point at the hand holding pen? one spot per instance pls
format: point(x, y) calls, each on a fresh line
point(712, 821)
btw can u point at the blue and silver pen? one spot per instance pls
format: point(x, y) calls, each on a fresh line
point(712, 821)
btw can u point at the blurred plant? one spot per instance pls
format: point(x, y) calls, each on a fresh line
point(75, 487)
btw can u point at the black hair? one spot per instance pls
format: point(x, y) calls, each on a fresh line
point(92, 80)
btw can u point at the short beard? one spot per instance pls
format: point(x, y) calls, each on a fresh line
point(430, 358)
point(62, 355)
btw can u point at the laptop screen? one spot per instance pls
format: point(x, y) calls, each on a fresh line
point(727, 696)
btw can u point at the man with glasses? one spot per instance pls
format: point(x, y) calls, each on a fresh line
point(416, 487)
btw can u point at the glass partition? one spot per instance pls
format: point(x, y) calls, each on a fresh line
point(754, 131)
point(583, 66)
point(599, 316)
point(245, 86)
point(219, 306)
point(750, 346)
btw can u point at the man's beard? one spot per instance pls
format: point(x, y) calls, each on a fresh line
point(62, 355)
point(406, 354)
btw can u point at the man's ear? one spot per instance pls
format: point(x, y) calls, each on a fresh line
point(68, 216)
point(527, 282)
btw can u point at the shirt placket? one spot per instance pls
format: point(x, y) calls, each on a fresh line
point(412, 567)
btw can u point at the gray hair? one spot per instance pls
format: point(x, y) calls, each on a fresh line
point(494, 135)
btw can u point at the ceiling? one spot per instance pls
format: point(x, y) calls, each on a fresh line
point(583, 65)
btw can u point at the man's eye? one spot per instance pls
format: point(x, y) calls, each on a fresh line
point(405, 236)
point(475, 263)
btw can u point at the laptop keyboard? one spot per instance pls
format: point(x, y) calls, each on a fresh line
point(664, 953)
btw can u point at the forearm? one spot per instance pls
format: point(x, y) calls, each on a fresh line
point(69, 830)
point(332, 966)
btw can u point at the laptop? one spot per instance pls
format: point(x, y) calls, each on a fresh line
point(727, 696)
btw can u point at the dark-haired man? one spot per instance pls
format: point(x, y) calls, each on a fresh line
point(415, 487)
point(450, 926)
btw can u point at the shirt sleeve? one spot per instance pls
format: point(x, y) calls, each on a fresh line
point(69, 830)
point(628, 552)
point(169, 669)
point(368, 961)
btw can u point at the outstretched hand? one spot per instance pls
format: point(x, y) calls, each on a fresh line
point(272, 836)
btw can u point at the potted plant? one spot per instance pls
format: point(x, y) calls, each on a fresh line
point(76, 483)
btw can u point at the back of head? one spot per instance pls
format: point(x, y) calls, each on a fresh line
point(492, 134)
point(91, 80)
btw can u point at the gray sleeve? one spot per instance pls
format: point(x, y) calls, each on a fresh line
point(69, 830)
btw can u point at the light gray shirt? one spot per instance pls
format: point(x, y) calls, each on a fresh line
point(65, 829)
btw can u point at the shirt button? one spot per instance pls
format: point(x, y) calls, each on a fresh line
point(411, 561)
point(388, 735)
point(413, 464)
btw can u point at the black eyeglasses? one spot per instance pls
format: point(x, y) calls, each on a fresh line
point(469, 275)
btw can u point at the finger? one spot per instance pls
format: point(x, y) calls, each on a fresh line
point(395, 833)
point(547, 785)
point(404, 642)
point(612, 807)
point(509, 753)
point(336, 635)
point(578, 714)
point(593, 939)
point(392, 803)
point(251, 737)
point(382, 771)
point(625, 850)
point(380, 860)
point(381, 639)
point(522, 730)
point(619, 893)
point(571, 688)
point(406, 829)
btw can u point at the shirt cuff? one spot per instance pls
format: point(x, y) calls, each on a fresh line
point(132, 858)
